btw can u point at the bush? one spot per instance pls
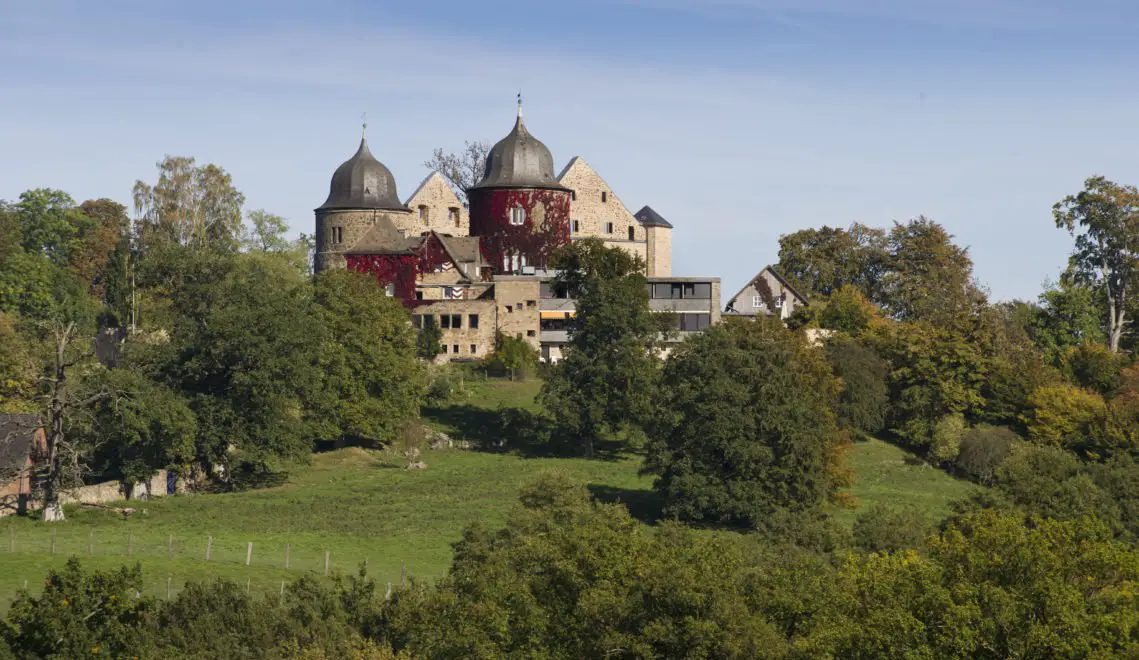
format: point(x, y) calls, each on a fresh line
point(946, 443)
point(1093, 366)
point(512, 356)
point(1065, 416)
point(983, 449)
point(886, 529)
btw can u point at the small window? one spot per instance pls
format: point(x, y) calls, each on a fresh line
point(531, 303)
point(529, 333)
point(631, 234)
point(604, 196)
point(454, 213)
point(519, 306)
point(608, 227)
point(757, 301)
point(424, 214)
point(509, 309)
point(576, 226)
point(456, 321)
point(474, 349)
point(445, 321)
point(689, 290)
point(779, 303)
point(337, 234)
point(455, 349)
point(473, 322)
point(573, 195)
point(517, 215)
point(419, 295)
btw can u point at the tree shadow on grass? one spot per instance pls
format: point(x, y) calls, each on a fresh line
point(517, 430)
point(644, 505)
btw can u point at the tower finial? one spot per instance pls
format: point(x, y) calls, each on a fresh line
point(520, 104)
point(364, 126)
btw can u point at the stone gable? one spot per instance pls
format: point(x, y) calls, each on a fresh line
point(435, 207)
point(594, 206)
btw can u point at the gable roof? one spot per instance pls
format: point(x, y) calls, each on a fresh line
point(423, 184)
point(382, 238)
point(573, 161)
point(782, 280)
point(650, 218)
point(17, 441)
point(462, 249)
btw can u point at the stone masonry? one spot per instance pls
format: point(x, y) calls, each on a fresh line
point(435, 207)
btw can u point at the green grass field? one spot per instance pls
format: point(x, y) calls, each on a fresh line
point(362, 505)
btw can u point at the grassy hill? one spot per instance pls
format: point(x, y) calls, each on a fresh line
point(361, 506)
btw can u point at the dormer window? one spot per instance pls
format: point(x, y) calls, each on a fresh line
point(517, 215)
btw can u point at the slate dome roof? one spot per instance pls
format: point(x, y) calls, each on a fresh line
point(362, 182)
point(519, 160)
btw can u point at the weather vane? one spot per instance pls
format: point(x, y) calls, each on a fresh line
point(519, 103)
point(364, 122)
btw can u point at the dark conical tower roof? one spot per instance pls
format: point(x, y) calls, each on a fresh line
point(519, 160)
point(363, 182)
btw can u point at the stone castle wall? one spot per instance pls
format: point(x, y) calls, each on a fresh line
point(330, 244)
point(435, 207)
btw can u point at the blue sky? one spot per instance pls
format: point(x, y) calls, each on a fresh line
point(738, 120)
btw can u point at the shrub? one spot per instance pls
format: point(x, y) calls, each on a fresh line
point(1065, 416)
point(983, 449)
point(886, 529)
point(946, 443)
point(864, 399)
point(512, 356)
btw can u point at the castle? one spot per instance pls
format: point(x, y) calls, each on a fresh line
point(482, 267)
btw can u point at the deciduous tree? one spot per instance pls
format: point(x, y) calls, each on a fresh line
point(1104, 219)
point(462, 169)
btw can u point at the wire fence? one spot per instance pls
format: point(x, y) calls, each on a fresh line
point(263, 566)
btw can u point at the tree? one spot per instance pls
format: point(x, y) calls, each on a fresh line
point(100, 256)
point(245, 348)
point(464, 169)
point(17, 369)
point(934, 371)
point(947, 435)
point(428, 342)
point(607, 379)
point(188, 206)
point(512, 354)
point(822, 261)
point(1104, 219)
point(883, 528)
point(847, 310)
point(746, 425)
point(1093, 367)
point(1066, 416)
point(1069, 315)
point(864, 399)
point(368, 359)
point(571, 578)
point(983, 449)
point(265, 232)
point(928, 278)
point(140, 427)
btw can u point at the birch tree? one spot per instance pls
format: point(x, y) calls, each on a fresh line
point(1104, 219)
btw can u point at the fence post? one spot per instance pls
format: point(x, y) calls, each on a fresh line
point(286, 557)
point(282, 588)
point(167, 587)
point(327, 556)
point(53, 541)
point(249, 553)
point(91, 543)
point(170, 546)
point(130, 543)
point(403, 576)
point(11, 539)
point(209, 546)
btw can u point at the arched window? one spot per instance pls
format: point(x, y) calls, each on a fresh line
point(517, 215)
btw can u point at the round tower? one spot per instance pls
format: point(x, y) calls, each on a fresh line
point(361, 192)
point(518, 208)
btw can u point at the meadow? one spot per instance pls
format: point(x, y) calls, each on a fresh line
point(362, 506)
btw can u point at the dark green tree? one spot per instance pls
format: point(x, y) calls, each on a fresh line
point(368, 359)
point(928, 278)
point(607, 380)
point(747, 425)
point(428, 343)
point(822, 261)
point(1069, 314)
point(864, 399)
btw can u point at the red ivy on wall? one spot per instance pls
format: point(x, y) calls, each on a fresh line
point(490, 220)
point(399, 269)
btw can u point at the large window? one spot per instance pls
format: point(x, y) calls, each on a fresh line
point(693, 322)
point(517, 215)
point(681, 290)
point(445, 321)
